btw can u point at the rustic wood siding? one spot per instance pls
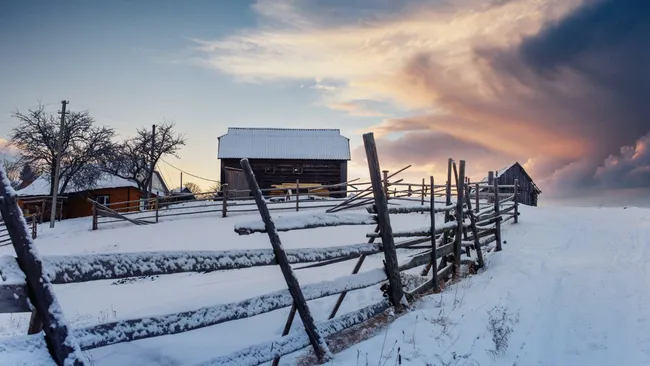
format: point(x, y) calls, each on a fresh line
point(282, 171)
point(528, 194)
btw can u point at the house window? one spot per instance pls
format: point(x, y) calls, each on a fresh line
point(102, 200)
point(297, 170)
point(269, 169)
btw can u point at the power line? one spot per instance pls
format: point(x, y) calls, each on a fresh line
point(190, 174)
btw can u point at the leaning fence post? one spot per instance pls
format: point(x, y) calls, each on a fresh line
point(297, 195)
point(516, 201)
point(95, 220)
point(497, 213)
point(459, 216)
point(224, 201)
point(61, 345)
point(320, 347)
point(396, 293)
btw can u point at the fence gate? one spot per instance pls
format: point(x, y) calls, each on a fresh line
point(236, 181)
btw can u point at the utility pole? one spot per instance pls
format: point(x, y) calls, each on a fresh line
point(153, 147)
point(57, 170)
point(181, 189)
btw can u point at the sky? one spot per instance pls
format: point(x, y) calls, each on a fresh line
point(558, 85)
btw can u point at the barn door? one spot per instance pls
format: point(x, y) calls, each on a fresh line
point(236, 182)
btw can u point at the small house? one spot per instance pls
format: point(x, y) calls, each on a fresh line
point(528, 190)
point(281, 156)
point(117, 193)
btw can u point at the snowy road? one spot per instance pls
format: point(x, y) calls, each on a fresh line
point(574, 285)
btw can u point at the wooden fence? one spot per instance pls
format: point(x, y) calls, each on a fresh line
point(462, 230)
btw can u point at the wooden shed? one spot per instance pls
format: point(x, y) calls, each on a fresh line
point(282, 156)
point(528, 190)
point(109, 190)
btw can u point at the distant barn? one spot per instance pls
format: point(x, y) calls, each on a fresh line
point(528, 190)
point(281, 156)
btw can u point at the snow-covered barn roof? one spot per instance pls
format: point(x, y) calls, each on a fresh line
point(283, 143)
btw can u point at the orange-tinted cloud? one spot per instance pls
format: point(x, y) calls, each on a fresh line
point(553, 84)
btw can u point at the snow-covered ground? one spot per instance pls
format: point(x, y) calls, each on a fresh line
point(571, 283)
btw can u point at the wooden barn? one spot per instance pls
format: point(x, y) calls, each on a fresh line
point(282, 156)
point(109, 190)
point(528, 191)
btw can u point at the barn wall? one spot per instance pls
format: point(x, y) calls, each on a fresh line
point(270, 172)
point(77, 204)
point(527, 196)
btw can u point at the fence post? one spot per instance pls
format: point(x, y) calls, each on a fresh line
point(434, 254)
point(385, 180)
point(396, 293)
point(95, 219)
point(60, 343)
point(34, 227)
point(422, 200)
point(297, 195)
point(491, 185)
point(157, 203)
point(460, 183)
point(497, 213)
point(477, 241)
point(320, 347)
point(477, 204)
point(516, 201)
point(224, 201)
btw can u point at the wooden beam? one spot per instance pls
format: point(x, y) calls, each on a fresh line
point(383, 219)
point(434, 256)
point(460, 183)
point(317, 342)
point(61, 345)
point(497, 213)
point(477, 244)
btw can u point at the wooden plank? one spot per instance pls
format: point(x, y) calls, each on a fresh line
point(318, 343)
point(383, 219)
point(155, 326)
point(515, 199)
point(61, 345)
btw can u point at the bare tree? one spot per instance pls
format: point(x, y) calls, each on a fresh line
point(193, 187)
point(132, 158)
point(214, 187)
point(84, 146)
point(12, 168)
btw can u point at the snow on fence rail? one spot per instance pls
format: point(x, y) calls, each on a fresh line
point(462, 231)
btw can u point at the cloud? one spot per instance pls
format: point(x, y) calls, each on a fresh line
point(355, 108)
point(559, 84)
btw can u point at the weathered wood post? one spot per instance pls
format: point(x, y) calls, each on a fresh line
point(320, 347)
point(385, 180)
point(477, 241)
point(434, 255)
point(460, 183)
point(95, 219)
point(422, 200)
point(34, 227)
point(515, 200)
point(42, 211)
point(396, 294)
point(61, 345)
point(497, 214)
point(224, 200)
point(490, 184)
point(477, 198)
point(157, 203)
point(297, 195)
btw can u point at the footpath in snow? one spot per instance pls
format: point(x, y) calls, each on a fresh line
point(569, 288)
